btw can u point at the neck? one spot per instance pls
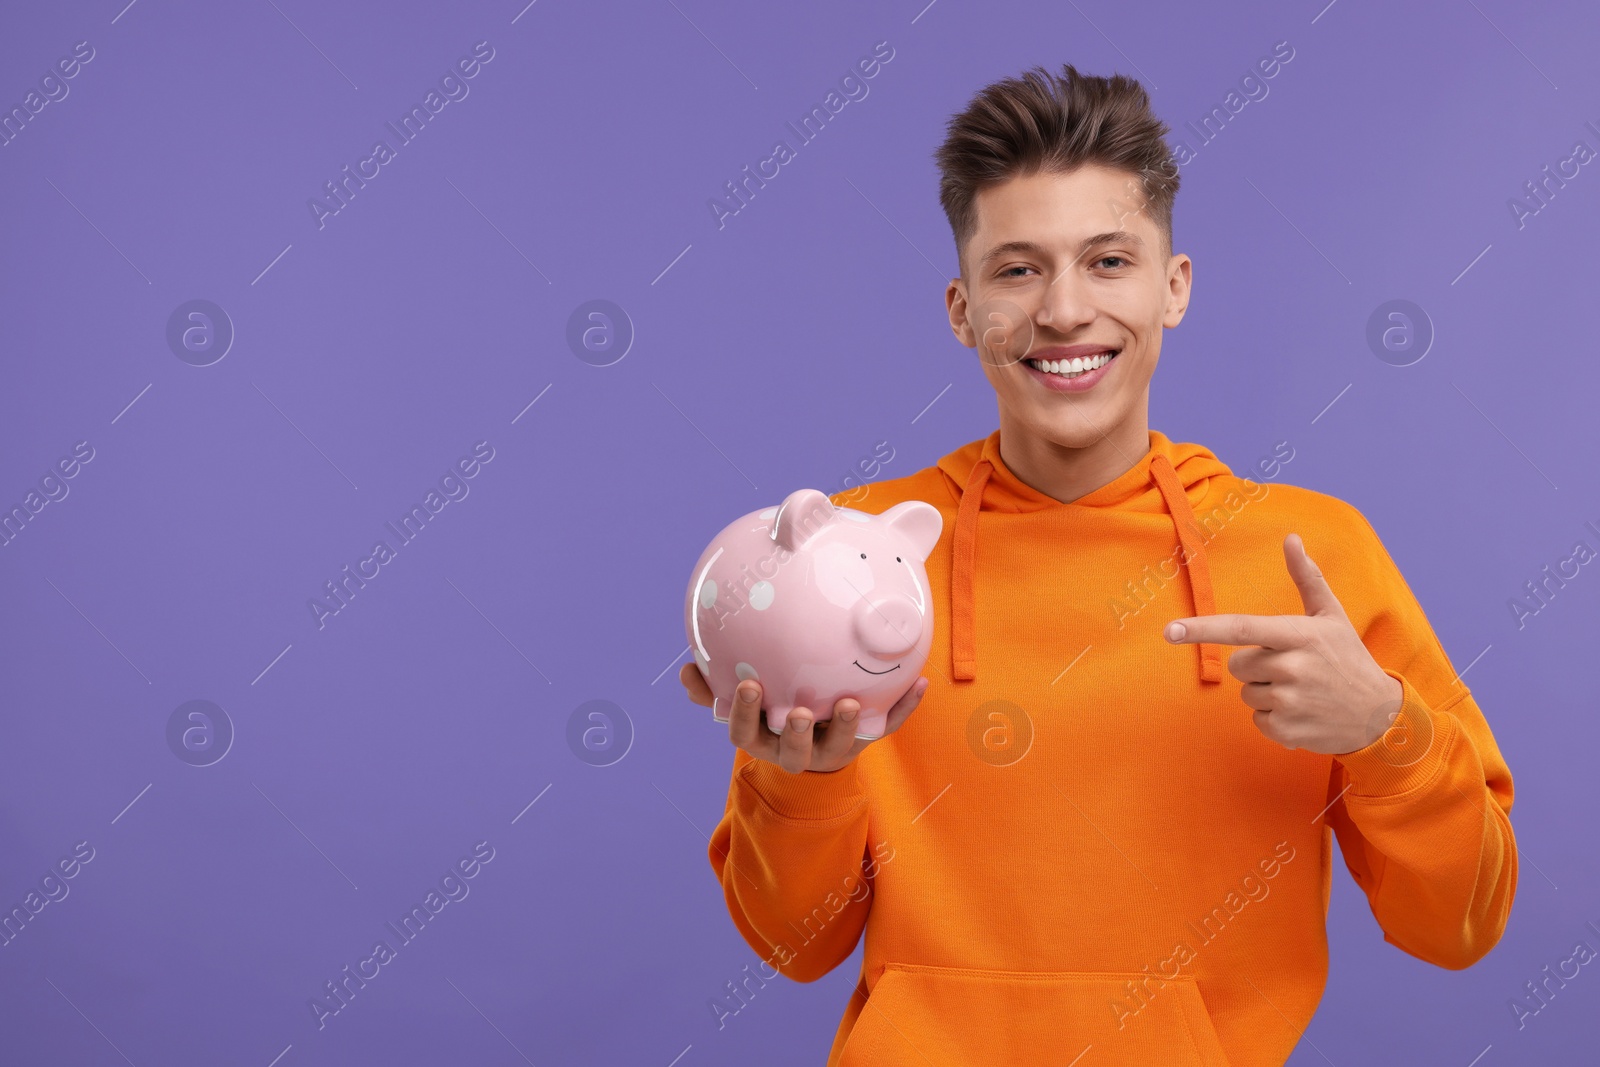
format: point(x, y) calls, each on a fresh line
point(1066, 473)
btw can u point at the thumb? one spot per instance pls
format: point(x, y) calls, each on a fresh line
point(1315, 593)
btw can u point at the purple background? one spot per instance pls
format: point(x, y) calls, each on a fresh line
point(773, 353)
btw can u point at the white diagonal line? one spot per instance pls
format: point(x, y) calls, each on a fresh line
point(132, 402)
point(671, 665)
point(1468, 667)
point(702, 433)
point(131, 803)
point(1469, 266)
point(531, 803)
point(1142, 75)
point(1513, 44)
point(91, 1022)
point(1332, 402)
point(932, 402)
point(501, 232)
point(713, 44)
point(1301, 232)
point(897, 229)
point(308, 440)
point(302, 833)
point(274, 663)
point(258, 277)
point(101, 632)
point(1069, 666)
point(1331, 803)
point(931, 803)
point(674, 263)
point(501, 632)
point(102, 233)
point(490, 1021)
point(313, 44)
point(1509, 441)
point(532, 402)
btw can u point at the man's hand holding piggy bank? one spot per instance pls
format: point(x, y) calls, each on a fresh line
point(815, 607)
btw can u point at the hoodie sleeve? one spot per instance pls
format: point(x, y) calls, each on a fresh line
point(1423, 813)
point(789, 852)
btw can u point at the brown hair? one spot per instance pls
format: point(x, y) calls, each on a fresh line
point(1054, 123)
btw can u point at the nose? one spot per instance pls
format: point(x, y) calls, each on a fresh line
point(888, 624)
point(1064, 307)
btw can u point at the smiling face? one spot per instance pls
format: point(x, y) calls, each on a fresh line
point(1063, 267)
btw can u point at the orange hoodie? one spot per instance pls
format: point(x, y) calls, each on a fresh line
point(1079, 841)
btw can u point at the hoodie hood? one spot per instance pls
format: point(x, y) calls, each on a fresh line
point(1163, 480)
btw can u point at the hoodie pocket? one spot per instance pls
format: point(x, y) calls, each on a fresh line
point(925, 1016)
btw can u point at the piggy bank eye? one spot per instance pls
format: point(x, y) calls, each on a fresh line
point(897, 559)
point(863, 555)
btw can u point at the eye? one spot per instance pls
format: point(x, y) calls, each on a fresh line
point(1007, 272)
point(1119, 259)
point(897, 559)
point(863, 555)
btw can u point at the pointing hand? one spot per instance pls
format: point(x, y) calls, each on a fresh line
point(1311, 681)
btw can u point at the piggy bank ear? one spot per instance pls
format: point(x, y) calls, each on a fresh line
point(803, 513)
point(919, 523)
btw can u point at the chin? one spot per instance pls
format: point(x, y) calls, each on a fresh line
point(1076, 432)
point(1074, 427)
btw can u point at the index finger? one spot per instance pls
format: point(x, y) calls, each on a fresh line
point(1268, 631)
point(695, 683)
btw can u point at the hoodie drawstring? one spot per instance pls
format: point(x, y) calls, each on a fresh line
point(963, 597)
point(1194, 552)
point(964, 552)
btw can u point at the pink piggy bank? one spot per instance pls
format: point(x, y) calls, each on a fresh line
point(816, 603)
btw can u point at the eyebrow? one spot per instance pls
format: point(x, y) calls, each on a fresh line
point(1034, 248)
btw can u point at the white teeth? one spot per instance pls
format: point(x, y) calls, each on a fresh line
point(1071, 368)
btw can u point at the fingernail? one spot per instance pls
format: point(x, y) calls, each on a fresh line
point(1175, 631)
point(747, 694)
point(848, 715)
point(797, 724)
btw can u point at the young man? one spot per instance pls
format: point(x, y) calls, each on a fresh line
point(1157, 690)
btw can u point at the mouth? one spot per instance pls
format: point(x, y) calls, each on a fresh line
point(894, 668)
point(1074, 374)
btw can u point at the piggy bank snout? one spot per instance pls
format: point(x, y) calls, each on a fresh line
point(888, 624)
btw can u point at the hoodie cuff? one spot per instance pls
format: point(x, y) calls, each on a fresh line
point(1407, 755)
point(808, 795)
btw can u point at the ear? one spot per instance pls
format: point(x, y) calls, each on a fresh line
point(802, 513)
point(1180, 279)
point(919, 523)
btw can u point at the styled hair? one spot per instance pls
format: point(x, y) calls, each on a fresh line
point(1054, 123)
